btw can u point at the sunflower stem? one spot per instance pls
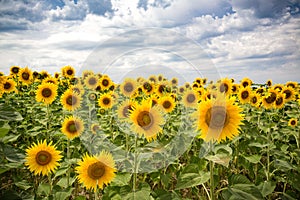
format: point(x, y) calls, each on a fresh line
point(211, 168)
point(135, 166)
point(96, 191)
point(68, 156)
point(50, 184)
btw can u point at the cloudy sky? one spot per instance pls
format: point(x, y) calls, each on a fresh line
point(259, 39)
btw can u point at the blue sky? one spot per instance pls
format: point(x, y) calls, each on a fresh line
point(258, 39)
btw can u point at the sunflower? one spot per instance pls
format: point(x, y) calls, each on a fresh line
point(269, 83)
point(25, 76)
point(218, 119)
point(147, 120)
point(289, 93)
point(8, 85)
point(246, 82)
point(42, 158)
point(244, 95)
point(168, 103)
point(174, 81)
point(148, 88)
point(268, 101)
point(91, 81)
point(96, 171)
point(162, 88)
point(235, 88)
point(160, 77)
point(70, 100)
point(125, 108)
point(95, 128)
point(46, 93)
point(106, 101)
point(181, 89)
point(78, 88)
point(190, 98)
point(152, 79)
point(293, 122)
point(50, 80)
point(254, 100)
point(86, 73)
point(280, 101)
point(225, 86)
point(278, 87)
point(128, 87)
point(72, 127)
point(105, 82)
point(68, 71)
point(14, 70)
point(291, 84)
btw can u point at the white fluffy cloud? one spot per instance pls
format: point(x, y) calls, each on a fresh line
point(237, 36)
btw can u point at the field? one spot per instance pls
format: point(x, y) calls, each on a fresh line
point(86, 137)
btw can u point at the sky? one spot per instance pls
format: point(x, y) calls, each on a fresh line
point(259, 39)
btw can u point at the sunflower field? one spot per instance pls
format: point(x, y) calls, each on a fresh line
point(64, 136)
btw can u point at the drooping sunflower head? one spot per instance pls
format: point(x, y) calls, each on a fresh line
point(46, 93)
point(25, 76)
point(168, 103)
point(106, 101)
point(96, 171)
point(42, 158)
point(147, 120)
point(128, 87)
point(70, 100)
point(91, 81)
point(72, 127)
point(68, 71)
point(218, 119)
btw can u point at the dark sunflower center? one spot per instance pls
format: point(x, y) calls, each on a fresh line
point(92, 96)
point(7, 85)
point(291, 85)
point(245, 84)
point(254, 100)
point(43, 158)
point(233, 88)
point(69, 72)
point(181, 90)
point(174, 81)
point(46, 92)
point(293, 122)
point(245, 94)
point(273, 96)
point(224, 87)
point(96, 170)
point(287, 93)
point(71, 100)
point(128, 87)
point(216, 117)
point(92, 81)
point(260, 90)
point(279, 101)
point(106, 101)
point(15, 70)
point(269, 83)
point(72, 127)
point(162, 88)
point(25, 76)
point(95, 128)
point(190, 98)
point(166, 104)
point(145, 120)
point(105, 82)
point(125, 111)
